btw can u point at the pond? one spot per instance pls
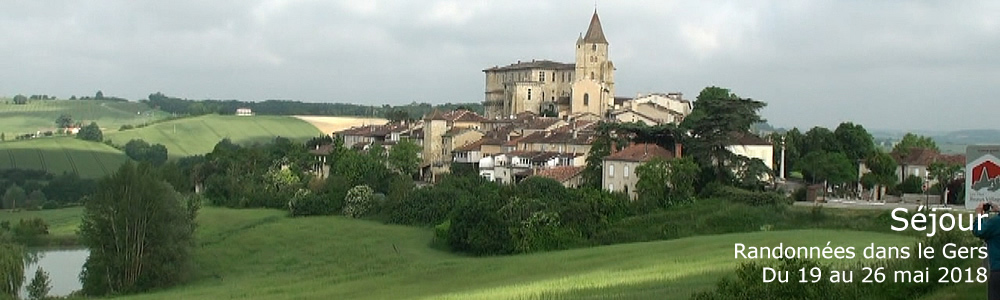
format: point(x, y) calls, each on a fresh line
point(63, 266)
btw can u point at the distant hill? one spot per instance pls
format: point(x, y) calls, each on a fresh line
point(61, 154)
point(198, 135)
point(40, 115)
point(182, 106)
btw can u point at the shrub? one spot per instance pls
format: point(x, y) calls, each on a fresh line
point(28, 231)
point(744, 196)
point(50, 205)
point(358, 201)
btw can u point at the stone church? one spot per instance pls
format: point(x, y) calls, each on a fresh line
point(548, 87)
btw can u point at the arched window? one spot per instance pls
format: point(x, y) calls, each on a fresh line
point(586, 100)
point(593, 47)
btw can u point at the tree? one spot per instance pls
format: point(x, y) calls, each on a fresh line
point(820, 139)
point(911, 185)
point(139, 231)
point(14, 196)
point(142, 151)
point(20, 99)
point(91, 132)
point(64, 121)
point(666, 182)
point(12, 263)
point(911, 141)
point(35, 199)
point(718, 118)
point(855, 141)
point(99, 95)
point(404, 157)
point(883, 172)
point(943, 173)
point(3, 137)
point(40, 285)
point(831, 168)
point(398, 115)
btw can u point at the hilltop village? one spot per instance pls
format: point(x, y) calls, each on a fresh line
point(540, 120)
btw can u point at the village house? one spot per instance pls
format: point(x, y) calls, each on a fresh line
point(619, 167)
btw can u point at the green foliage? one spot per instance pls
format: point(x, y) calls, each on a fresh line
point(398, 115)
point(359, 201)
point(256, 176)
point(35, 199)
point(91, 132)
point(289, 108)
point(404, 157)
point(139, 232)
point(666, 182)
point(855, 141)
point(64, 121)
point(14, 197)
point(20, 100)
point(28, 232)
point(718, 118)
point(911, 141)
point(831, 167)
point(142, 151)
point(911, 185)
point(463, 169)
point(12, 263)
point(883, 169)
point(820, 139)
point(40, 285)
point(756, 198)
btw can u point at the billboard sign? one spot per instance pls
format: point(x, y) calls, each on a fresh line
point(982, 175)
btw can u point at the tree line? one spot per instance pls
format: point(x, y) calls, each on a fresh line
point(288, 107)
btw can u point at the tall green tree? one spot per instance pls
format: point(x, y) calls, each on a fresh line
point(944, 173)
point(882, 173)
point(64, 121)
point(140, 233)
point(855, 141)
point(666, 182)
point(718, 119)
point(14, 197)
point(833, 168)
point(820, 139)
point(91, 132)
point(40, 285)
point(911, 141)
point(12, 263)
point(404, 157)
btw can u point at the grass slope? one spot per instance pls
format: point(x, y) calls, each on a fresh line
point(198, 135)
point(63, 223)
point(61, 154)
point(40, 115)
point(263, 254)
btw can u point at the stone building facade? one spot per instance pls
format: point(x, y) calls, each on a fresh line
point(541, 86)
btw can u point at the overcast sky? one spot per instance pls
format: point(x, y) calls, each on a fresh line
point(884, 64)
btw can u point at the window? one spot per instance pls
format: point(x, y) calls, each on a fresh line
point(593, 47)
point(611, 170)
point(563, 78)
point(586, 99)
point(529, 94)
point(591, 75)
point(626, 172)
point(541, 76)
point(553, 76)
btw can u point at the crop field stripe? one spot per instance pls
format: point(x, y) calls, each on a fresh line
point(97, 158)
point(172, 140)
point(212, 129)
point(13, 162)
point(72, 164)
point(41, 158)
point(263, 127)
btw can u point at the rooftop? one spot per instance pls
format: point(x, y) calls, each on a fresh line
point(534, 64)
point(641, 153)
point(560, 173)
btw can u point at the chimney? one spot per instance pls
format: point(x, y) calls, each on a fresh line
point(678, 149)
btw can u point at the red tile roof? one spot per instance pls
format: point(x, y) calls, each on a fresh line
point(641, 153)
point(560, 173)
point(926, 156)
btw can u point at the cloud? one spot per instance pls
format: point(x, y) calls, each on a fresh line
point(909, 65)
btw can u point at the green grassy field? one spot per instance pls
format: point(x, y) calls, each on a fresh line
point(40, 115)
point(62, 222)
point(264, 254)
point(61, 154)
point(198, 135)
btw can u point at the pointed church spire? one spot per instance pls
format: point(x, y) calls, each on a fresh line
point(595, 34)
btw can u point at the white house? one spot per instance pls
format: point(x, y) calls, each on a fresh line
point(244, 112)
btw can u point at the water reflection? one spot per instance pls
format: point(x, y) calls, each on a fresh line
point(63, 266)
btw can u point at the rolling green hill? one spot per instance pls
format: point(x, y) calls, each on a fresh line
point(61, 154)
point(253, 254)
point(40, 115)
point(198, 135)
